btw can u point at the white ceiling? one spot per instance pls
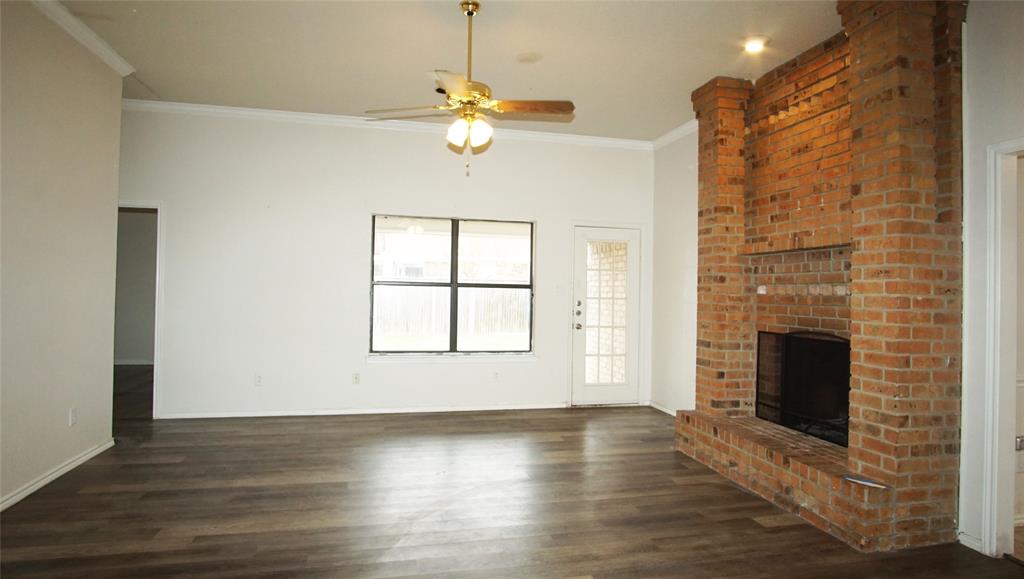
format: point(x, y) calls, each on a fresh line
point(629, 66)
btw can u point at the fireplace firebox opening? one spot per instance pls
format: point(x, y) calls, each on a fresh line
point(803, 383)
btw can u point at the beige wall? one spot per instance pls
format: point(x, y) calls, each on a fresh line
point(674, 345)
point(60, 142)
point(136, 287)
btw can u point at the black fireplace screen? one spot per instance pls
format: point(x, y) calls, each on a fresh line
point(803, 382)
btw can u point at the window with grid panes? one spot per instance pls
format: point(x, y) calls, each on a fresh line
point(451, 285)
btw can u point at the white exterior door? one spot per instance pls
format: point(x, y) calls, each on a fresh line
point(605, 316)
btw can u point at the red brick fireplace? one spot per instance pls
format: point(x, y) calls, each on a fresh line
point(830, 201)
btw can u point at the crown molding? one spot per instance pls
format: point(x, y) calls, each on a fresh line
point(78, 30)
point(364, 123)
point(687, 128)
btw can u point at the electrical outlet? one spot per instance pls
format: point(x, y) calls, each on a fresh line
point(258, 381)
point(72, 416)
point(355, 378)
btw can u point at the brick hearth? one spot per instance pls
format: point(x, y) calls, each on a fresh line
point(798, 472)
point(830, 200)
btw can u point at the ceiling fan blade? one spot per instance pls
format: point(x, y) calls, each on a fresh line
point(545, 107)
point(452, 82)
point(436, 115)
point(408, 109)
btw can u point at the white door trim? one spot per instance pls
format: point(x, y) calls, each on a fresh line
point(158, 301)
point(999, 279)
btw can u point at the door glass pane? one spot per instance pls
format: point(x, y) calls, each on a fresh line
point(494, 252)
point(618, 369)
point(494, 320)
point(593, 312)
point(606, 330)
point(411, 318)
point(593, 284)
point(412, 249)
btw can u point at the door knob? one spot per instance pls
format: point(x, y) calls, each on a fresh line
point(578, 326)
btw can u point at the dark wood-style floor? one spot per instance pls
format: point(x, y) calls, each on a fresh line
point(133, 395)
point(544, 493)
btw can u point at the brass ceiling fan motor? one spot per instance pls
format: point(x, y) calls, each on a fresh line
point(469, 100)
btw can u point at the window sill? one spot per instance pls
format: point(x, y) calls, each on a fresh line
point(450, 358)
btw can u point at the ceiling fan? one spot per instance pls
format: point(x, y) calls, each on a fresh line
point(469, 100)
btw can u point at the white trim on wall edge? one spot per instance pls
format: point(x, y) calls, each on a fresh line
point(993, 490)
point(675, 134)
point(664, 409)
point(85, 36)
point(53, 474)
point(133, 362)
point(351, 411)
point(969, 541)
point(364, 123)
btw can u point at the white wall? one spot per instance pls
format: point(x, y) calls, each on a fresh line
point(993, 114)
point(266, 255)
point(61, 119)
point(674, 346)
point(136, 287)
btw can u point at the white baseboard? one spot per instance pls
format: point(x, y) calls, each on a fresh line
point(347, 411)
point(40, 482)
point(133, 362)
point(970, 541)
point(657, 406)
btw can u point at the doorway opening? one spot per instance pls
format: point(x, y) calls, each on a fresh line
point(134, 320)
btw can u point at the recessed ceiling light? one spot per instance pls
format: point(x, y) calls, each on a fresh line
point(754, 45)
